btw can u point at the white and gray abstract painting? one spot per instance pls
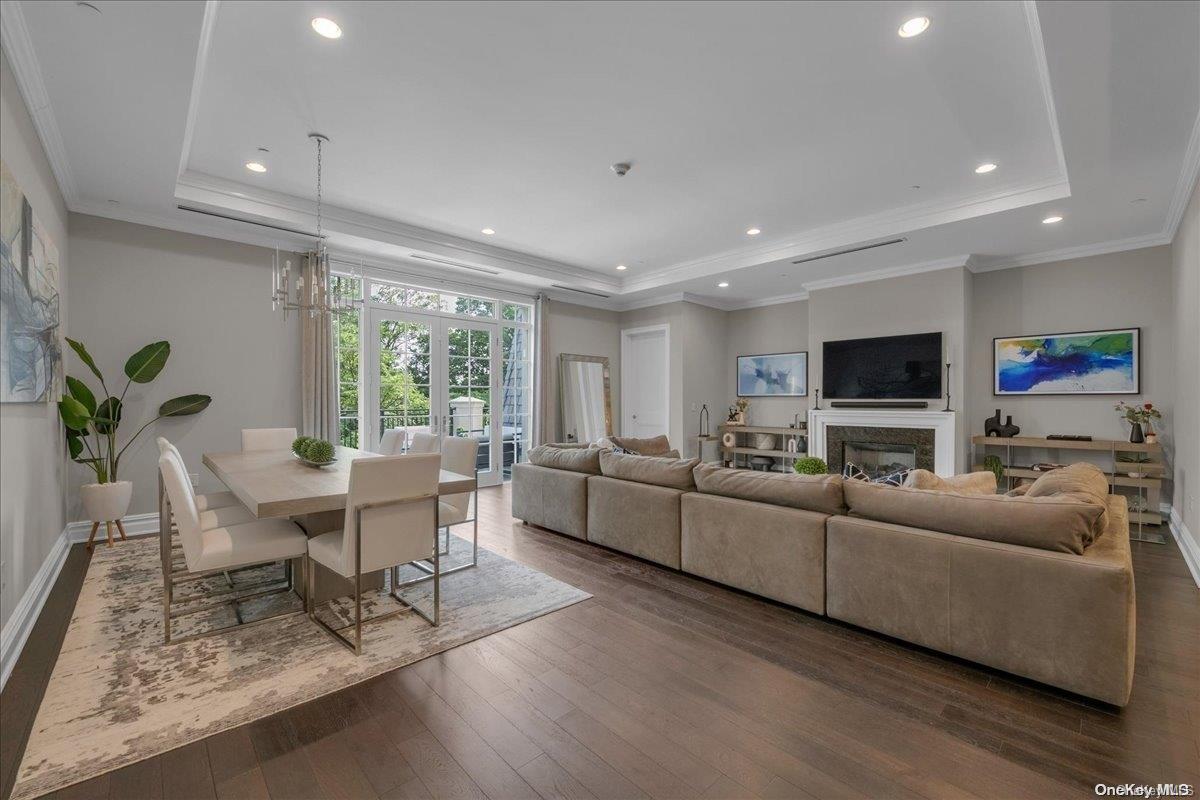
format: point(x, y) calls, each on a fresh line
point(31, 349)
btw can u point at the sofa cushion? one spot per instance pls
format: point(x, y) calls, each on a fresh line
point(821, 493)
point(573, 459)
point(655, 446)
point(1061, 523)
point(971, 483)
point(1080, 481)
point(674, 473)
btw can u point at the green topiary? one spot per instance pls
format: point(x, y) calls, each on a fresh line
point(319, 451)
point(811, 465)
point(994, 465)
point(299, 444)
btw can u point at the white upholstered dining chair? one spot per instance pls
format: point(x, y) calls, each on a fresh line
point(393, 441)
point(423, 443)
point(267, 438)
point(459, 454)
point(391, 520)
point(204, 502)
point(222, 547)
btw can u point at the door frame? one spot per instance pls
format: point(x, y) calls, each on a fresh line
point(626, 335)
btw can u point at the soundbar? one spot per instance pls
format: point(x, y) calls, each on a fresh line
point(879, 404)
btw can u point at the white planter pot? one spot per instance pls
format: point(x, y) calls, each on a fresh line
point(106, 502)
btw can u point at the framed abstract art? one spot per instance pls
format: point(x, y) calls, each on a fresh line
point(1084, 362)
point(773, 375)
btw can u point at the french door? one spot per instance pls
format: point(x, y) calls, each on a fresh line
point(433, 374)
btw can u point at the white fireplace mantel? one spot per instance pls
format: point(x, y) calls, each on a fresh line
point(940, 422)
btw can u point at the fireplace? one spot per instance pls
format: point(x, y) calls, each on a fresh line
point(878, 450)
point(880, 437)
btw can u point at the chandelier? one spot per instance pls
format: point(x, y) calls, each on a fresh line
point(310, 288)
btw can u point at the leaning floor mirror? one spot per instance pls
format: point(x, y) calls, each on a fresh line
point(584, 399)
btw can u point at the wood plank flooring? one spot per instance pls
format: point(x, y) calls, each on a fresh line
point(666, 686)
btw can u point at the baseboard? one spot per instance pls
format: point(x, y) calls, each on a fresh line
point(135, 525)
point(1183, 537)
point(16, 630)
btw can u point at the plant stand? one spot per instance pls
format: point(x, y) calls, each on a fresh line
point(108, 526)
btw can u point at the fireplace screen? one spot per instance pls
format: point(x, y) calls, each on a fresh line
point(877, 458)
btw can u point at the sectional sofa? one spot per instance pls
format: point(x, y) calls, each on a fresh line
point(1039, 585)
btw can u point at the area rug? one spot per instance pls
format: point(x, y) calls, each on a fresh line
point(118, 695)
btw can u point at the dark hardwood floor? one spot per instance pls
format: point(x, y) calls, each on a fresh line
point(666, 686)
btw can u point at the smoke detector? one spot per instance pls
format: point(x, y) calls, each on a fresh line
point(621, 167)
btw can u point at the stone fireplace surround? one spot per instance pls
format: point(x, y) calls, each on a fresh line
point(897, 425)
point(837, 436)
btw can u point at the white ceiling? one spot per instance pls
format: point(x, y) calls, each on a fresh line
point(811, 121)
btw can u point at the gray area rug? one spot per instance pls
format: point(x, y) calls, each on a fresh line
point(118, 695)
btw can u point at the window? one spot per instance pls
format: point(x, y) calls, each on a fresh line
point(346, 340)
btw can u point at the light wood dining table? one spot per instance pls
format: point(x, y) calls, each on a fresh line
point(274, 483)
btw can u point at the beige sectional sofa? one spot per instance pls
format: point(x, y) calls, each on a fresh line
point(1039, 585)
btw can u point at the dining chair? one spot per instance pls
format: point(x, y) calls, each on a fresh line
point(391, 520)
point(267, 438)
point(459, 454)
point(224, 547)
point(393, 441)
point(203, 501)
point(423, 443)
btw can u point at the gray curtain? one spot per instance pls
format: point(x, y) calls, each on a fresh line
point(544, 411)
point(318, 371)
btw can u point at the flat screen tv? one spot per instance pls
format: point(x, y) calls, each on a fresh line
point(884, 368)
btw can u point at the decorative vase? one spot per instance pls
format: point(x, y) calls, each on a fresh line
point(107, 503)
point(991, 425)
point(764, 441)
point(1151, 438)
point(1135, 433)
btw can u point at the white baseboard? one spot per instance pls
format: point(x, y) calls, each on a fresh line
point(20, 623)
point(1183, 537)
point(135, 525)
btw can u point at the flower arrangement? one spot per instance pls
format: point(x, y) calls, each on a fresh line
point(1141, 414)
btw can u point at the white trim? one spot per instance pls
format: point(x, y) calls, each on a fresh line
point(18, 46)
point(206, 34)
point(134, 524)
point(1067, 253)
point(1188, 172)
point(20, 623)
point(941, 422)
point(1034, 23)
point(795, 297)
point(1183, 538)
point(889, 272)
point(665, 327)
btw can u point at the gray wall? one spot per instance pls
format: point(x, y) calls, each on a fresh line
point(134, 285)
point(779, 328)
point(33, 456)
point(1185, 293)
point(1117, 290)
point(583, 331)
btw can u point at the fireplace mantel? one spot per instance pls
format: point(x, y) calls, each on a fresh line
point(940, 422)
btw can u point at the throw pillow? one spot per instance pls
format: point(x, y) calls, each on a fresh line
point(983, 482)
point(853, 472)
point(655, 446)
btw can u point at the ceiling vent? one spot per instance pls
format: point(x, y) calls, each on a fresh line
point(580, 291)
point(855, 249)
point(449, 263)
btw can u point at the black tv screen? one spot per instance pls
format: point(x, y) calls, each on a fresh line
point(884, 368)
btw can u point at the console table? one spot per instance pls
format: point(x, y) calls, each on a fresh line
point(1148, 482)
point(744, 446)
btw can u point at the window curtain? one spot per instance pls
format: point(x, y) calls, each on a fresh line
point(543, 401)
point(318, 370)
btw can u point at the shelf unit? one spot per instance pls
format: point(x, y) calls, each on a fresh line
point(742, 447)
point(1148, 485)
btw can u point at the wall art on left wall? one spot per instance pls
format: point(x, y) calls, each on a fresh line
point(31, 350)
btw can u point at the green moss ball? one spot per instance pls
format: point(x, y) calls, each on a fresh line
point(299, 444)
point(319, 451)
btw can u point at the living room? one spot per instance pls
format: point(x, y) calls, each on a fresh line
point(593, 399)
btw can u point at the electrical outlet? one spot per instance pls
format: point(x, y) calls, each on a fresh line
point(694, 407)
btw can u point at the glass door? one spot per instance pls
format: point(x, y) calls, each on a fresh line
point(401, 367)
point(470, 387)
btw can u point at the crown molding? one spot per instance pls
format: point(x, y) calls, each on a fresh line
point(889, 272)
point(1034, 24)
point(1188, 173)
point(207, 26)
point(1063, 254)
point(18, 47)
point(794, 297)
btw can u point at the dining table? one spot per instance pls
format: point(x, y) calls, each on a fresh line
point(277, 484)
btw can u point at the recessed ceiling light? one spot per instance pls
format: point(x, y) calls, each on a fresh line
point(327, 28)
point(723, 285)
point(255, 166)
point(487, 231)
point(1138, 200)
point(753, 232)
point(984, 169)
point(621, 267)
point(1051, 220)
point(914, 27)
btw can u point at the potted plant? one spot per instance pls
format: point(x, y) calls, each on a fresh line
point(810, 465)
point(91, 428)
point(1138, 416)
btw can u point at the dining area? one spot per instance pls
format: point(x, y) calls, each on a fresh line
point(344, 543)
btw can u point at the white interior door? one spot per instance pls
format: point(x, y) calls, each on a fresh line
point(645, 381)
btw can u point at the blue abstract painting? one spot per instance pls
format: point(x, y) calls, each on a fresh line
point(1092, 362)
point(774, 375)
